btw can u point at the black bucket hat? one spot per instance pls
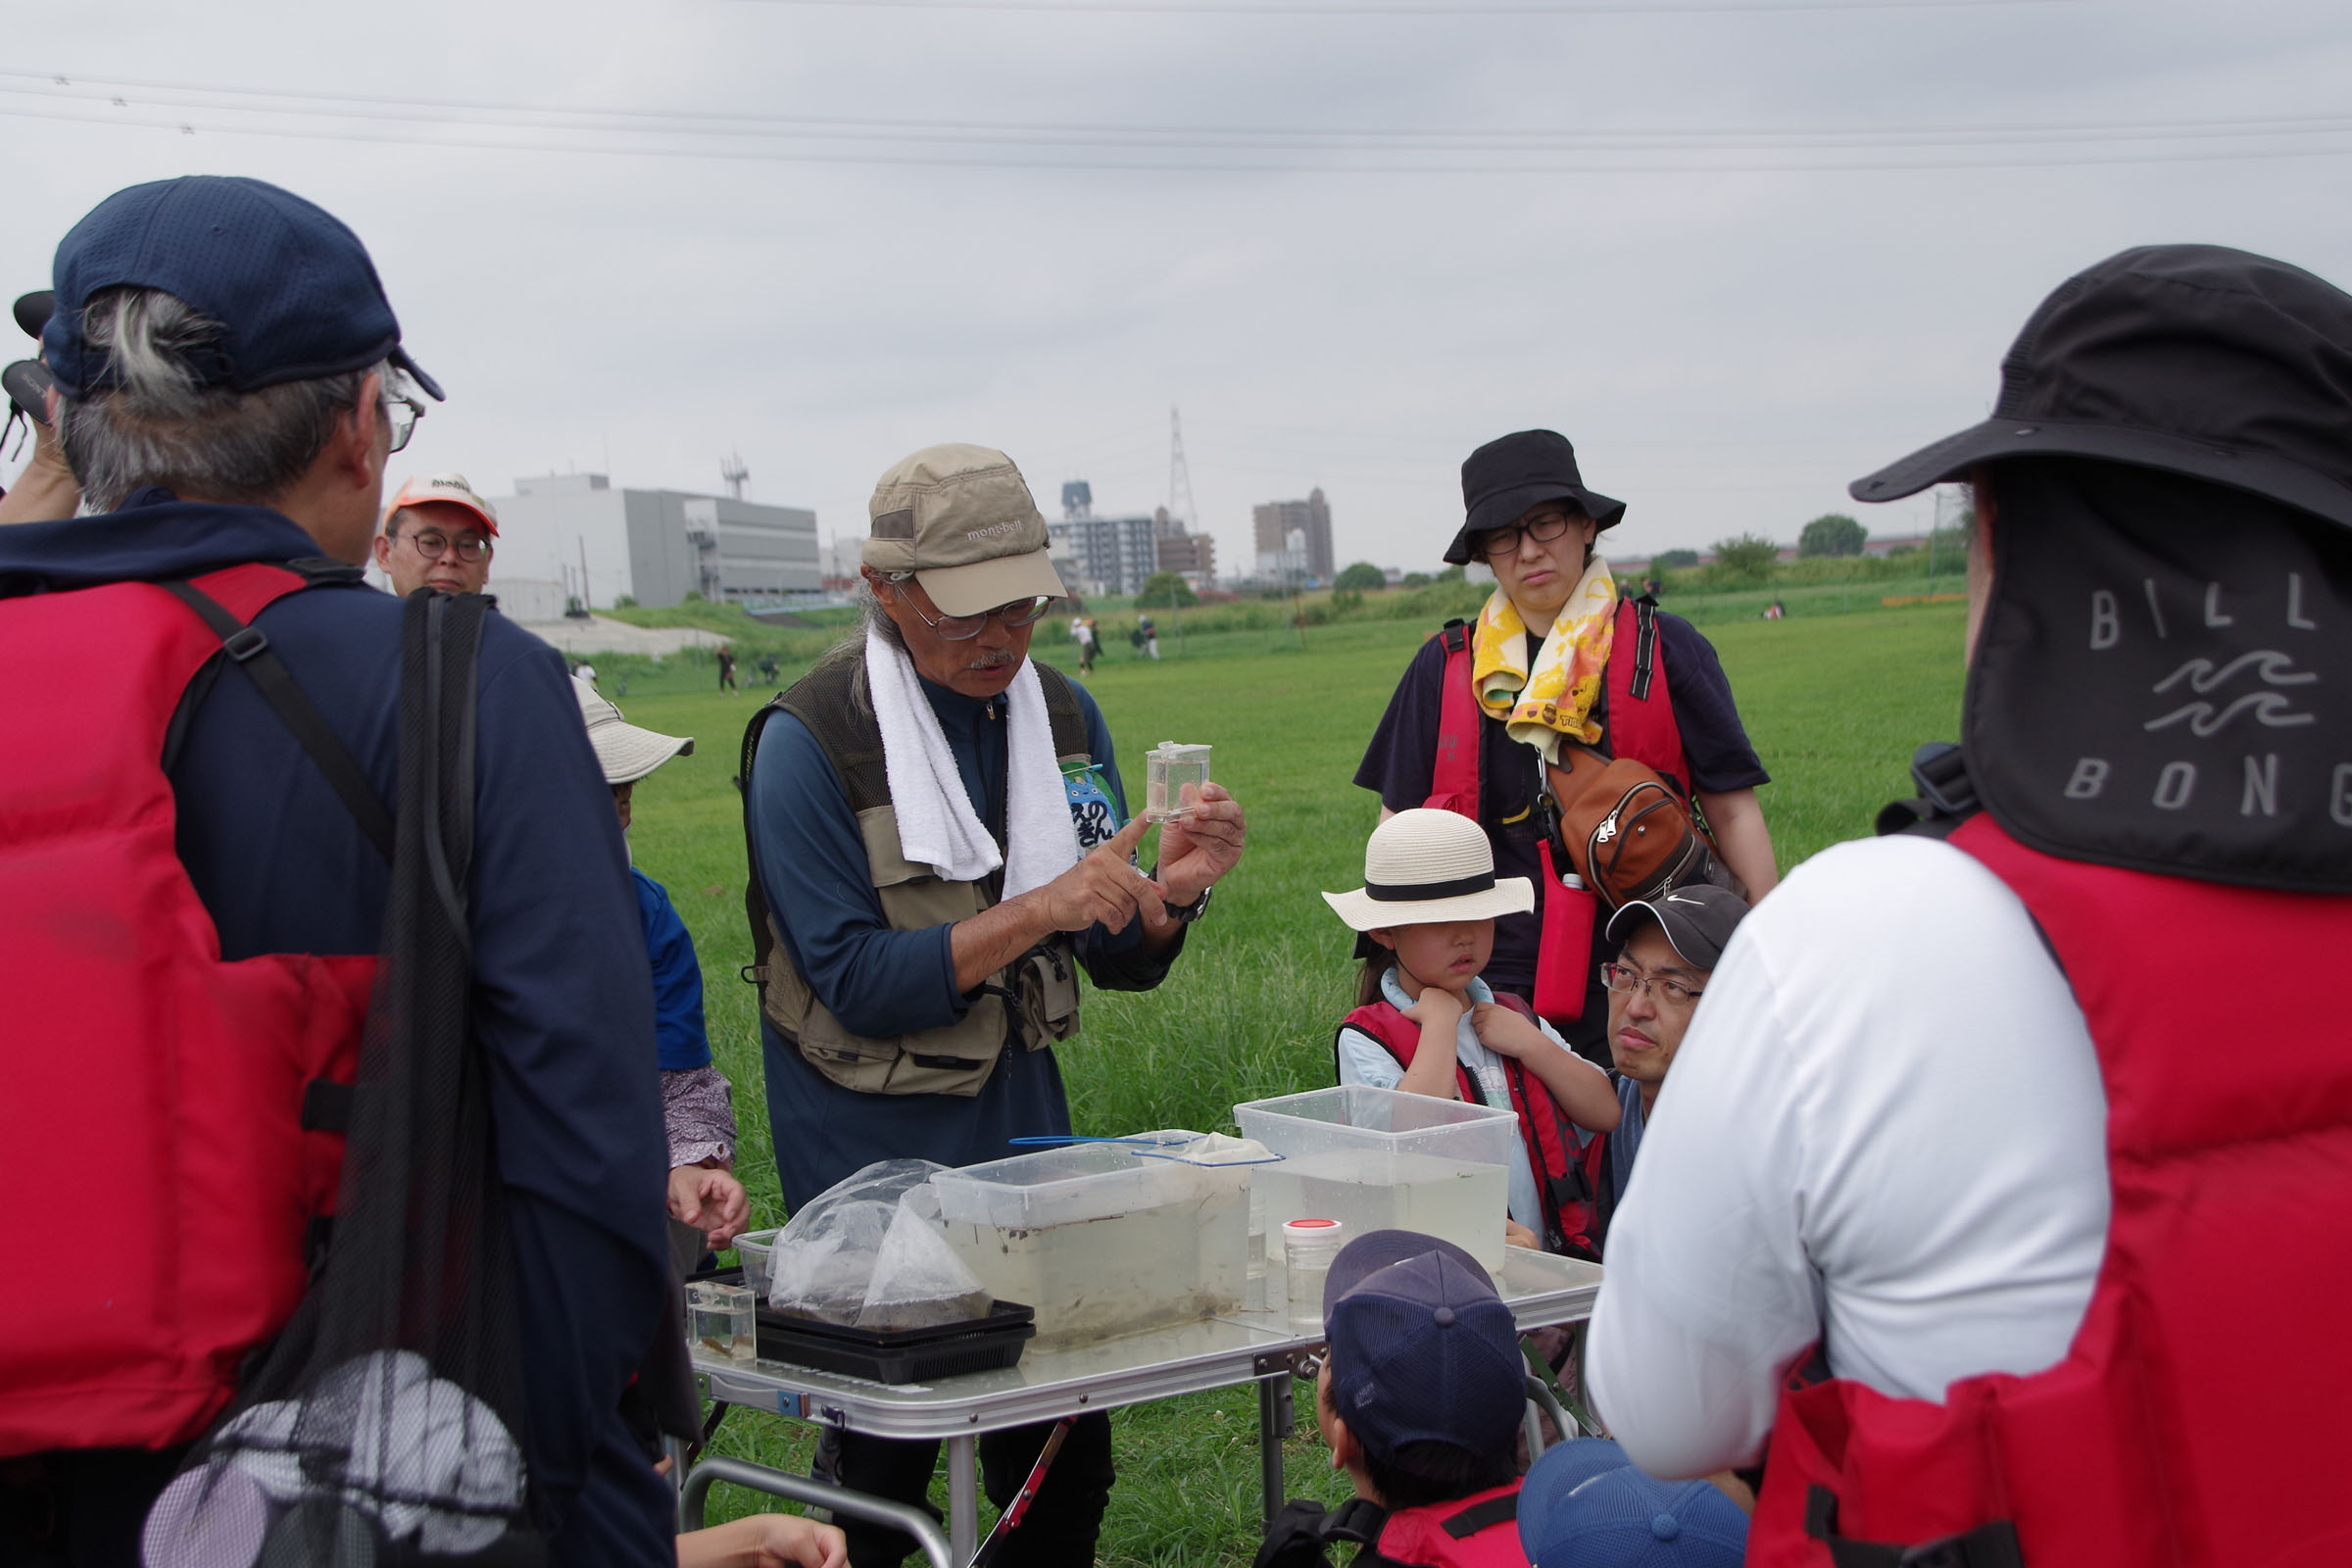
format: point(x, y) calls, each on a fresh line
point(2193, 359)
point(1507, 475)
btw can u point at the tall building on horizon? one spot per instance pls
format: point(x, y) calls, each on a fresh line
point(1278, 521)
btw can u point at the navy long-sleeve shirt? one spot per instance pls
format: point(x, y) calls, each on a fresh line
point(812, 868)
point(564, 1003)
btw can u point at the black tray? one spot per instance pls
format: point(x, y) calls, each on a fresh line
point(892, 1355)
point(900, 1355)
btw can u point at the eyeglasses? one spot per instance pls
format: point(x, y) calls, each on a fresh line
point(963, 628)
point(430, 542)
point(401, 412)
point(1542, 528)
point(1665, 992)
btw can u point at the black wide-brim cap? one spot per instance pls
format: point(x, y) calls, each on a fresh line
point(1507, 475)
point(2193, 359)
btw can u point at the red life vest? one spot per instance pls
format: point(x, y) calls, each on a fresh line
point(2196, 1422)
point(1480, 1531)
point(1569, 1185)
point(163, 1185)
point(1641, 727)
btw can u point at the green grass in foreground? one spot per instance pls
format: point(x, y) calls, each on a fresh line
point(1834, 705)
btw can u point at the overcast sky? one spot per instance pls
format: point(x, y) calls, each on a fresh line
point(1739, 253)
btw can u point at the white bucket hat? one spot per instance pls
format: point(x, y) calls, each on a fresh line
point(623, 751)
point(1426, 865)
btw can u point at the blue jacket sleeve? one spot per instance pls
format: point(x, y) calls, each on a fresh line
point(563, 1005)
point(684, 1044)
point(812, 870)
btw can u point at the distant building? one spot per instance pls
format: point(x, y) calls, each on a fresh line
point(1278, 521)
point(652, 546)
point(1101, 556)
point(1191, 556)
point(839, 563)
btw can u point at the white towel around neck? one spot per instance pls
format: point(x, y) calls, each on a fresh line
point(937, 825)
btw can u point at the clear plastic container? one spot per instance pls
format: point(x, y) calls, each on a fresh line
point(1384, 1159)
point(1307, 1247)
point(720, 1319)
point(1253, 1294)
point(752, 1247)
point(1102, 1240)
point(1172, 769)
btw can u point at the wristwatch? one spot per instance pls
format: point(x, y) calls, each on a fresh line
point(1189, 912)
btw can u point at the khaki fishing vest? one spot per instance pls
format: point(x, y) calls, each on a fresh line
point(1034, 999)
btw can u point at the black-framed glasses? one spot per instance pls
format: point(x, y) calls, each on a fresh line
point(431, 542)
point(401, 412)
point(1624, 980)
point(1542, 528)
point(963, 628)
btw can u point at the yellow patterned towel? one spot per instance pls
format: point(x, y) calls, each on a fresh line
point(1554, 699)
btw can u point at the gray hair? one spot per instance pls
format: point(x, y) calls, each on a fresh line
point(851, 649)
point(158, 424)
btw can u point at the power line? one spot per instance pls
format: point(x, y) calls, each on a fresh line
point(1677, 160)
point(707, 123)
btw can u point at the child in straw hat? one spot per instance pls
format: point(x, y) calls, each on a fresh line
point(1425, 1023)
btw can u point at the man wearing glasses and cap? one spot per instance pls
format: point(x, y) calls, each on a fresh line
point(193, 862)
point(935, 850)
point(437, 534)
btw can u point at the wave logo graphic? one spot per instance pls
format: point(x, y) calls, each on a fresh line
point(2273, 709)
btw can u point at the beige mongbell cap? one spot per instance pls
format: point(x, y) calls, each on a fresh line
point(623, 751)
point(961, 520)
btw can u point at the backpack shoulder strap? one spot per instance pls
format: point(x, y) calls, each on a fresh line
point(1945, 798)
point(1453, 782)
point(1062, 711)
point(247, 646)
point(1640, 722)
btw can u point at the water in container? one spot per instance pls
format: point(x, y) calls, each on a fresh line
point(720, 1319)
point(1309, 1246)
point(1253, 1294)
point(1463, 1202)
point(1100, 1242)
point(1169, 770)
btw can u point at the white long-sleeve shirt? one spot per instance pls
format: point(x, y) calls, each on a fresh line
point(1885, 1128)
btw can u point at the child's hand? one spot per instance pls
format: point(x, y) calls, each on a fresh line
point(1437, 1007)
point(1515, 1234)
point(1506, 1032)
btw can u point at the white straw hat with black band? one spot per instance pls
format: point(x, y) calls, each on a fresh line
point(625, 750)
point(1425, 865)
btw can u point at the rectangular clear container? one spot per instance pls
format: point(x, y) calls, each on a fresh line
point(753, 1248)
point(1102, 1241)
point(1384, 1159)
point(1170, 770)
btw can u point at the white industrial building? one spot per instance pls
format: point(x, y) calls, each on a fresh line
point(652, 546)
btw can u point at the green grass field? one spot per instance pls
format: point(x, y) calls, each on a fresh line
point(1834, 702)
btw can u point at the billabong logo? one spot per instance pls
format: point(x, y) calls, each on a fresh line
point(2273, 709)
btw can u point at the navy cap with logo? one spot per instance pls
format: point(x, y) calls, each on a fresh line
point(290, 285)
point(1510, 473)
point(1422, 1350)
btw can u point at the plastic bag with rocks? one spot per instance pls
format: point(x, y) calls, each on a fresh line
point(870, 1252)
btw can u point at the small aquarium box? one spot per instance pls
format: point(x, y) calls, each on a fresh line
point(1104, 1239)
point(1384, 1159)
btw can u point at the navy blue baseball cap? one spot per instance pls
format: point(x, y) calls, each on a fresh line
point(1422, 1350)
point(1584, 1505)
point(290, 285)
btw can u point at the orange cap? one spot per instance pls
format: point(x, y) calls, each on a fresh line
point(449, 488)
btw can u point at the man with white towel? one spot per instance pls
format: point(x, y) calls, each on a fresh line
point(936, 848)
